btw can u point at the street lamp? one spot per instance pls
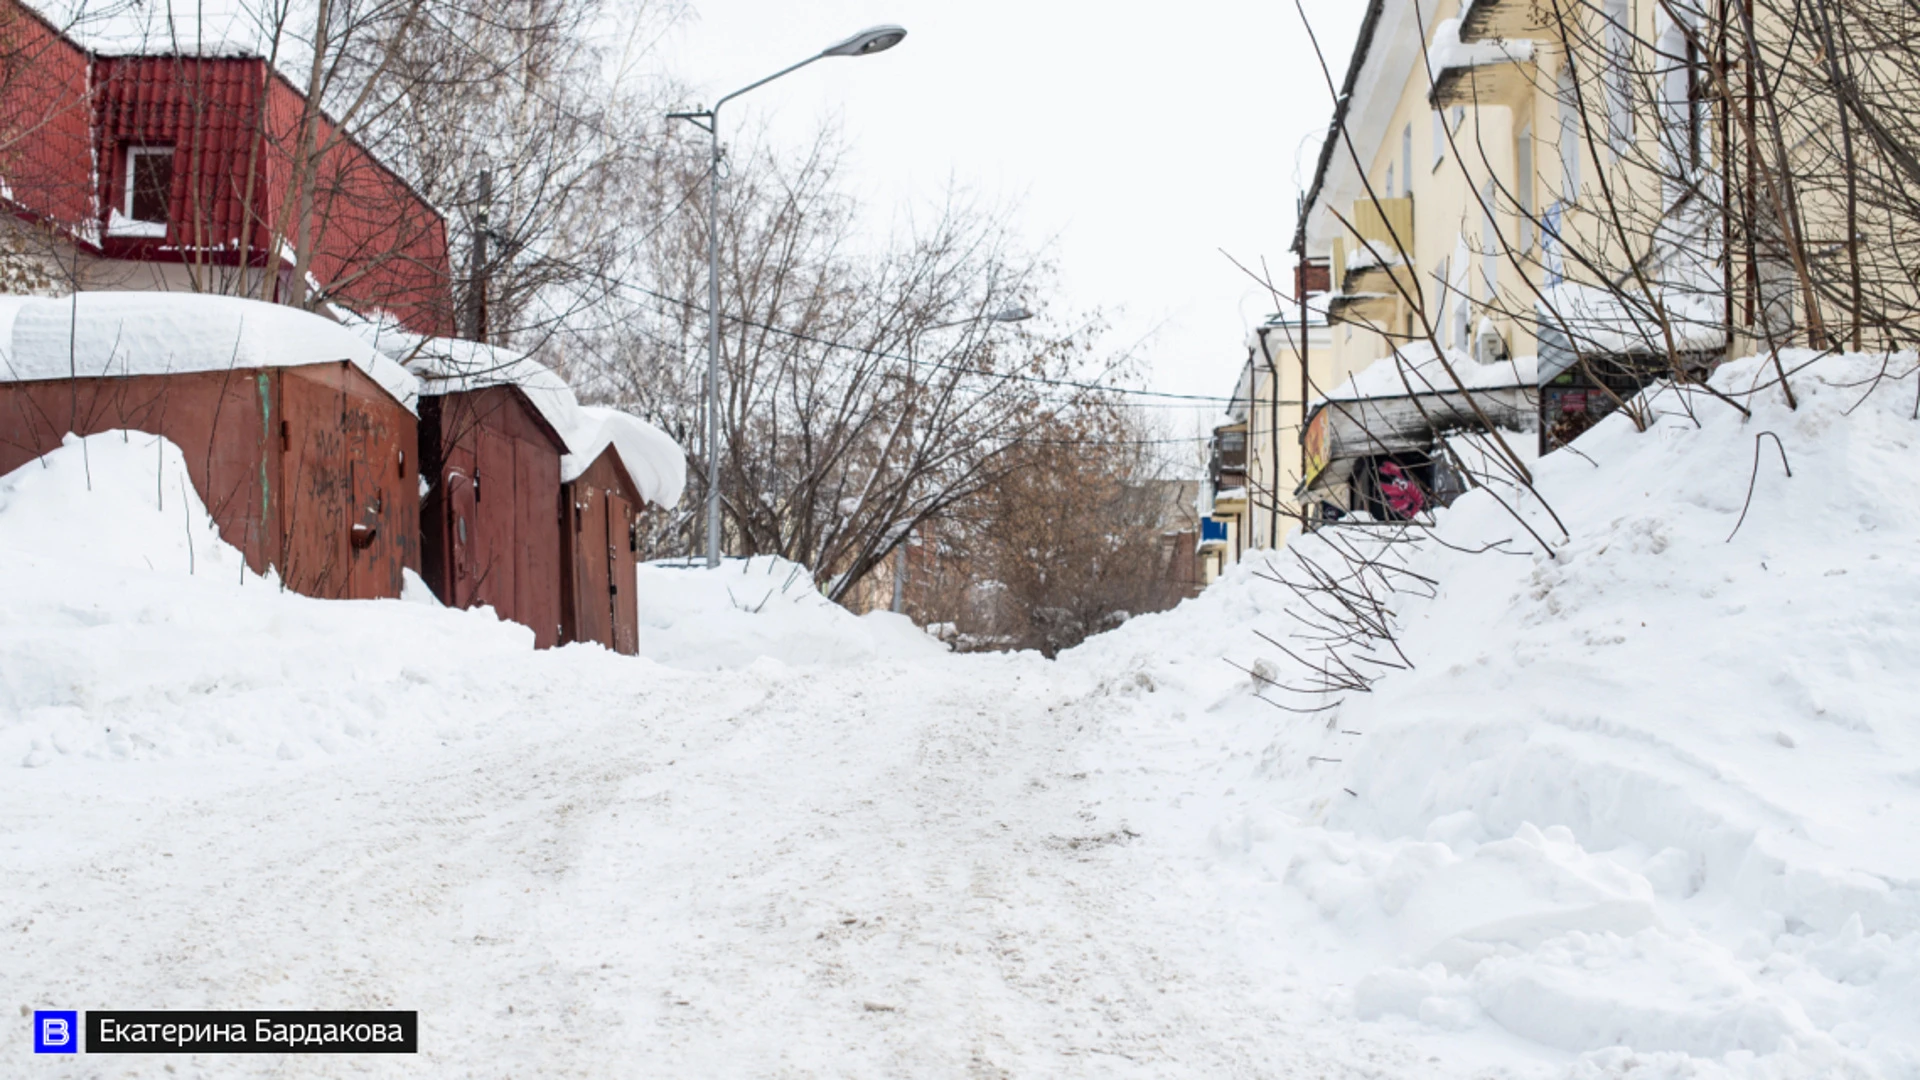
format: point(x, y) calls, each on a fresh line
point(1004, 315)
point(864, 43)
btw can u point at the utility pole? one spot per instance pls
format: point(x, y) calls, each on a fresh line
point(865, 43)
point(477, 276)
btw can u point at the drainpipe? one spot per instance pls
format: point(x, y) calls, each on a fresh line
point(1273, 436)
point(900, 580)
point(1304, 270)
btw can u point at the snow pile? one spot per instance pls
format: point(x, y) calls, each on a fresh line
point(128, 629)
point(1415, 368)
point(156, 333)
point(1643, 804)
point(745, 610)
point(1598, 320)
point(119, 500)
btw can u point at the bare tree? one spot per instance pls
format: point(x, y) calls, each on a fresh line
point(1068, 544)
point(847, 419)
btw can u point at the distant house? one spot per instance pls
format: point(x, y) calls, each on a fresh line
point(1225, 506)
point(299, 437)
point(167, 162)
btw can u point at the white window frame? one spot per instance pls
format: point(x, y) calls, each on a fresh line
point(1489, 245)
point(1523, 170)
point(1618, 78)
point(133, 154)
point(1569, 136)
point(1683, 115)
point(1406, 160)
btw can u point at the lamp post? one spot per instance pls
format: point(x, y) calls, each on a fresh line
point(1004, 315)
point(864, 43)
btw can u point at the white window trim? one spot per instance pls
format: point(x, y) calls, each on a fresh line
point(133, 153)
point(1524, 168)
point(1406, 163)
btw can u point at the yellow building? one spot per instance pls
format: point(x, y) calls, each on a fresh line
point(1515, 203)
point(1255, 468)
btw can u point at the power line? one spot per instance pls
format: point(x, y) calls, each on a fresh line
point(935, 364)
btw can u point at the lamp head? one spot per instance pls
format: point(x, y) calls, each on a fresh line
point(866, 42)
point(1012, 314)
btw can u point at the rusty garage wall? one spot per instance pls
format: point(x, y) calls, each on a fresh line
point(602, 506)
point(307, 470)
point(490, 522)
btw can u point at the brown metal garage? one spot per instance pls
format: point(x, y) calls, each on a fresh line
point(299, 437)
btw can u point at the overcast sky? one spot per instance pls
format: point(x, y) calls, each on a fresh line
point(1137, 139)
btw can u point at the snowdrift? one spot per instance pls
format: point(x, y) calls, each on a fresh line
point(745, 610)
point(130, 630)
point(1644, 804)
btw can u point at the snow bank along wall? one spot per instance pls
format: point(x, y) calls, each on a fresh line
point(491, 522)
point(308, 470)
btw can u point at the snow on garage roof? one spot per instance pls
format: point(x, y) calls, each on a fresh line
point(451, 365)
point(1415, 369)
point(652, 458)
point(94, 334)
point(454, 365)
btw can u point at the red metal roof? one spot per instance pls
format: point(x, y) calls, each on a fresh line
point(68, 119)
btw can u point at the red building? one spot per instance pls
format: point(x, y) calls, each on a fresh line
point(178, 173)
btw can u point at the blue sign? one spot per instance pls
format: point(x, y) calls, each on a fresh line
point(1211, 530)
point(56, 1032)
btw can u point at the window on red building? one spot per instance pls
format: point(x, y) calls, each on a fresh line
point(149, 183)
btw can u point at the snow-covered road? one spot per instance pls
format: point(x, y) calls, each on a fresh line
point(877, 870)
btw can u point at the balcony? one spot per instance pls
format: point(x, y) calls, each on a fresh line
point(1505, 20)
point(1367, 261)
point(1477, 74)
point(1228, 467)
point(1370, 310)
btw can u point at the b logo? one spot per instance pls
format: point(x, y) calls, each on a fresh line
point(56, 1032)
